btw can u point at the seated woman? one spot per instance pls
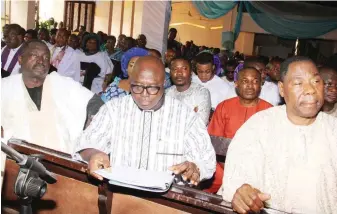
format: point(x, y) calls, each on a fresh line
point(121, 87)
point(110, 45)
point(100, 64)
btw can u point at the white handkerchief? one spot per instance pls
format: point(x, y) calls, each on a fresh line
point(138, 178)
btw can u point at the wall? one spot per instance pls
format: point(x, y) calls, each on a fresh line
point(51, 8)
point(137, 21)
point(192, 26)
point(22, 13)
point(326, 48)
point(208, 37)
point(128, 18)
point(102, 11)
point(245, 43)
point(125, 17)
point(116, 18)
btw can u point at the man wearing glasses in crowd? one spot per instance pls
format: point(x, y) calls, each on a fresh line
point(148, 130)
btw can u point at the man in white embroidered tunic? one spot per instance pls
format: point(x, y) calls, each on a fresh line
point(47, 110)
point(191, 94)
point(219, 89)
point(149, 130)
point(285, 157)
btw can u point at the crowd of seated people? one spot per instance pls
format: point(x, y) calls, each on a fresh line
point(260, 132)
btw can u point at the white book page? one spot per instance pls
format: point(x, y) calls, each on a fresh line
point(137, 177)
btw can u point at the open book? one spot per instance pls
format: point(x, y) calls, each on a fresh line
point(141, 179)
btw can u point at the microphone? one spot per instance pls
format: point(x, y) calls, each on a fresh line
point(29, 162)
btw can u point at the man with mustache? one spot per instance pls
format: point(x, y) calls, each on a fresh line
point(148, 130)
point(269, 90)
point(193, 95)
point(14, 38)
point(329, 76)
point(231, 114)
point(47, 110)
point(284, 157)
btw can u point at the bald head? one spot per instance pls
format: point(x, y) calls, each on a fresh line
point(149, 65)
point(147, 83)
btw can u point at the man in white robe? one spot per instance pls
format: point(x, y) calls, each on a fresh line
point(47, 110)
point(64, 58)
point(14, 37)
point(285, 157)
point(191, 94)
point(219, 89)
point(149, 130)
point(74, 43)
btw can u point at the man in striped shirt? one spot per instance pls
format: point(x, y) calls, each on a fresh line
point(149, 130)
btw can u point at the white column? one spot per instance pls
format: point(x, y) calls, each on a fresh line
point(102, 15)
point(155, 23)
point(23, 13)
point(51, 9)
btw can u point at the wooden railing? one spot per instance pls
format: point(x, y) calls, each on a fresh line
point(75, 193)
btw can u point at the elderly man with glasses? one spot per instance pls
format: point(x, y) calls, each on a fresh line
point(148, 130)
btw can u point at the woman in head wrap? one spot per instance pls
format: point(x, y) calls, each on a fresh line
point(121, 87)
point(96, 64)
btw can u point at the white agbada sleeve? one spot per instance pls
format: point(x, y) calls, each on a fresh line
point(204, 108)
point(244, 161)
point(199, 149)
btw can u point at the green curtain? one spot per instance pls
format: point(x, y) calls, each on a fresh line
point(214, 9)
point(289, 20)
point(290, 25)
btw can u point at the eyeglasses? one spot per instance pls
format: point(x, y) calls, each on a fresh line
point(138, 89)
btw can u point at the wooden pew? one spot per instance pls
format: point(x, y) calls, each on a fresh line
point(75, 193)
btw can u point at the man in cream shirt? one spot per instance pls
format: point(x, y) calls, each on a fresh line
point(285, 157)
